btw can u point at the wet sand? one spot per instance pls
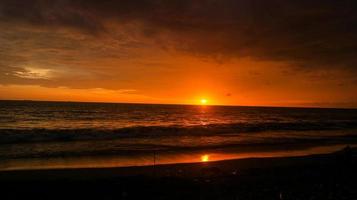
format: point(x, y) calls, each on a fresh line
point(325, 176)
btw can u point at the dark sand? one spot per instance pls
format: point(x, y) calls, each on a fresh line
point(329, 176)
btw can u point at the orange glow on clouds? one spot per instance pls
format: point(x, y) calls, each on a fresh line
point(130, 54)
point(188, 80)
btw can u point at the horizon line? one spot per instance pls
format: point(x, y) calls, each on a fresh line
point(180, 104)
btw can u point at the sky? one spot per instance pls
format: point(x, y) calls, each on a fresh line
point(230, 52)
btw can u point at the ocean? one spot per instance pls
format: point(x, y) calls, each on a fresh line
point(36, 134)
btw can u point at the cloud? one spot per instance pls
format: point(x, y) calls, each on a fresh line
point(34, 73)
point(44, 13)
point(143, 45)
point(310, 34)
point(70, 58)
point(36, 92)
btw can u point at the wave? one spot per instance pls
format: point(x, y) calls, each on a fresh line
point(115, 148)
point(13, 136)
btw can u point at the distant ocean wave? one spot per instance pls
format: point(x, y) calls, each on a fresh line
point(16, 136)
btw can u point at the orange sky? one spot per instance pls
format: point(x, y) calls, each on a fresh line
point(187, 81)
point(129, 52)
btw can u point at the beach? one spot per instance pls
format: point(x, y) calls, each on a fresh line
point(323, 176)
point(59, 150)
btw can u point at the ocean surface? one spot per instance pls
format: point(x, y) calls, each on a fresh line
point(66, 134)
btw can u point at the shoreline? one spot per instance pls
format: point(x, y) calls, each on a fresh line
point(175, 169)
point(169, 158)
point(323, 176)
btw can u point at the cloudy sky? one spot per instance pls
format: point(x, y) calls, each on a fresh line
point(236, 52)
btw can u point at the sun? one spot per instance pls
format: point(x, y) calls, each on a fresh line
point(203, 101)
point(205, 158)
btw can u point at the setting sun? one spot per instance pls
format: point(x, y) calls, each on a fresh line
point(205, 158)
point(203, 101)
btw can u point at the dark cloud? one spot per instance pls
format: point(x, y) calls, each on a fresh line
point(45, 13)
point(310, 34)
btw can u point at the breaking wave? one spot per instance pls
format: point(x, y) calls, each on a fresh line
point(10, 136)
